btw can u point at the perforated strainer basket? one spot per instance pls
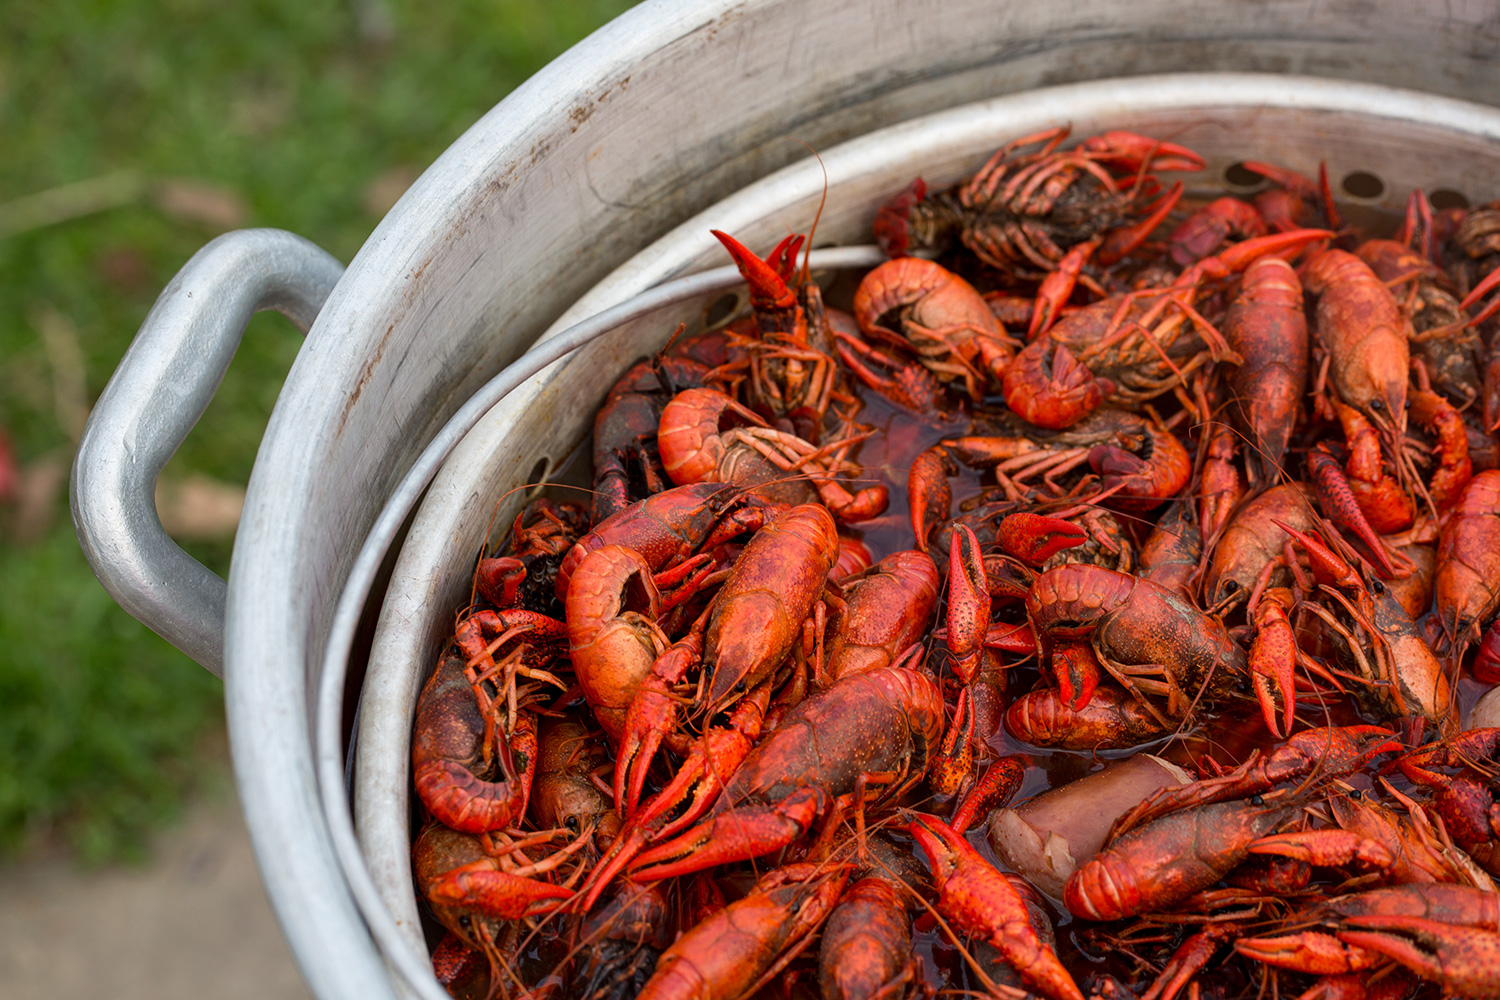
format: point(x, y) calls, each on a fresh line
point(1378, 143)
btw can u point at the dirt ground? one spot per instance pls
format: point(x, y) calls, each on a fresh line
point(193, 922)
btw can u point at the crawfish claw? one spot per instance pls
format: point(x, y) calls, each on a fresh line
point(1464, 960)
point(1310, 951)
point(738, 835)
point(498, 894)
point(652, 714)
point(968, 603)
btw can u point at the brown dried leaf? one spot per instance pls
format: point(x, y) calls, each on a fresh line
point(382, 193)
point(201, 202)
point(124, 269)
point(38, 487)
point(199, 508)
point(65, 357)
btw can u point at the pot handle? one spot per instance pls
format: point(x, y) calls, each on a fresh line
point(155, 397)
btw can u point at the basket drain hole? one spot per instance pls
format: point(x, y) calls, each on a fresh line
point(1238, 175)
point(1445, 198)
point(722, 308)
point(537, 477)
point(1362, 184)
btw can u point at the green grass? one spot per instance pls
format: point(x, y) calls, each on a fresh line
point(284, 107)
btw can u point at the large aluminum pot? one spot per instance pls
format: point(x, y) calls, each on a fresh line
point(666, 110)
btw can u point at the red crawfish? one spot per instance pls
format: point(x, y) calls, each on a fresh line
point(887, 610)
point(1342, 506)
point(1035, 538)
point(1110, 720)
point(624, 442)
point(1172, 554)
point(773, 588)
point(525, 576)
point(1158, 865)
point(866, 949)
point(1397, 849)
point(1465, 800)
point(613, 636)
point(1465, 962)
point(905, 382)
point(1327, 951)
point(1220, 487)
point(1273, 658)
point(1295, 200)
point(1267, 328)
point(1142, 463)
point(1380, 642)
point(1382, 501)
point(1142, 480)
point(1451, 446)
point(1056, 288)
point(736, 950)
point(1444, 933)
point(756, 619)
point(1487, 660)
point(705, 436)
point(1250, 553)
point(674, 531)
point(1443, 341)
point(1321, 754)
point(463, 971)
point(468, 891)
point(1366, 336)
point(625, 938)
point(792, 376)
point(1082, 533)
point(1207, 229)
point(882, 723)
point(979, 901)
point(854, 558)
point(694, 788)
point(942, 320)
point(457, 752)
point(1467, 586)
point(1147, 637)
point(563, 796)
point(1144, 343)
point(1024, 210)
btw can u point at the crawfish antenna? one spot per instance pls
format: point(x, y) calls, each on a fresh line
point(822, 201)
point(658, 361)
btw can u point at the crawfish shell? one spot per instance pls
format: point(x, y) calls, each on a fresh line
point(1252, 540)
point(884, 720)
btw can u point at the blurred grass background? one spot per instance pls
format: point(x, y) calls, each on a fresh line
point(134, 132)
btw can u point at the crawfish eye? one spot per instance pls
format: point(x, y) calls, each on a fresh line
point(1229, 586)
point(1257, 800)
point(465, 922)
point(1377, 587)
point(1377, 405)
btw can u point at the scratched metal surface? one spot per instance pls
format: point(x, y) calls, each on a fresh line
point(655, 117)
